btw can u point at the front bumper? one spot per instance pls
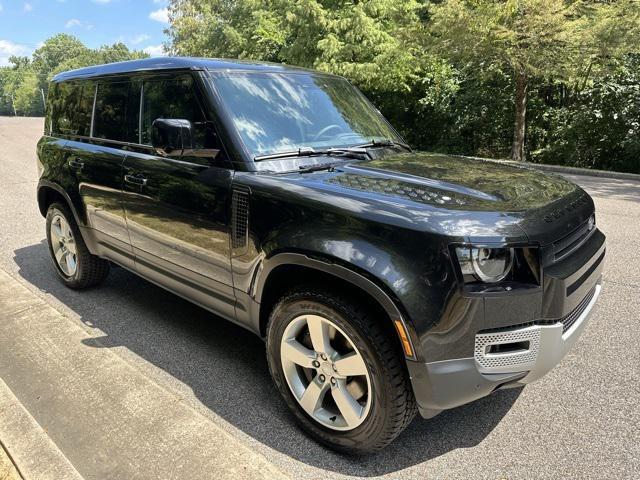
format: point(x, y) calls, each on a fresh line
point(513, 355)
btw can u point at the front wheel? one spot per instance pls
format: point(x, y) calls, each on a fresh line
point(338, 371)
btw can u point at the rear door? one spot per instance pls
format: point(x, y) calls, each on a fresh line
point(95, 154)
point(177, 209)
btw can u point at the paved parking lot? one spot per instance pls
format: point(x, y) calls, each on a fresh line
point(580, 421)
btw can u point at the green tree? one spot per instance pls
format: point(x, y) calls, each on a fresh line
point(55, 51)
point(24, 83)
point(556, 40)
point(372, 43)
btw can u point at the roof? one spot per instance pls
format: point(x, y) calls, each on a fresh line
point(176, 63)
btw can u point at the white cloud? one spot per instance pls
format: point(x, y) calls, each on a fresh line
point(142, 37)
point(8, 48)
point(161, 15)
point(155, 50)
point(27, 7)
point(102, 1)
point(74, 22)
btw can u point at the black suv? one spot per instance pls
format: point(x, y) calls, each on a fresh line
point(384, 281)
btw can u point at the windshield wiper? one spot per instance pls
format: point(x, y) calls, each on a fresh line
point(383, 143)
point(352, 152)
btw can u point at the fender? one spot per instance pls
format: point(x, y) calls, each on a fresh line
point(85, 231)
point(326, 266)
point(44, 184)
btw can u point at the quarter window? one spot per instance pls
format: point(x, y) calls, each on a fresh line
point(85, 107)
point(64, 107)
point(117, 110)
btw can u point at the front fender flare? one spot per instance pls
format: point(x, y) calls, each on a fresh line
point(344, 273)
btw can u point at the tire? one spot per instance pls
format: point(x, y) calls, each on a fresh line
point(87, 270)
point(389, 403)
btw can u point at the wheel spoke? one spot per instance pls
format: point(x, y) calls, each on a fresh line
point(312, 397)
point(56, 232)
point(71, 263)
point(59, 254)
point(297, 353)
point(349, 408)
point(66, 231)
point(319, 332)
point(71, 246)
point(351, 365)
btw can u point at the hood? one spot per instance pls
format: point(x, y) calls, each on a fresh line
point(480, 200)
point(462, 182)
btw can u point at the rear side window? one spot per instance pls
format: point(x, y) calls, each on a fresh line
point(117, 111)
point(69, 108)
point(64, 105)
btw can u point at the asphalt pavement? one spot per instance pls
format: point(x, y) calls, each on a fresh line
point(580, 421)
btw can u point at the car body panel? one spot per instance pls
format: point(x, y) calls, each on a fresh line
point(179, 222)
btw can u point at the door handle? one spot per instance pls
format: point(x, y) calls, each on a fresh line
point(136, 180)
point(76, 164)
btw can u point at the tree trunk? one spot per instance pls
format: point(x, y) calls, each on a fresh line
point(517, 150)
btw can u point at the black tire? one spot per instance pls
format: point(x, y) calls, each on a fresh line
point(91, 270)
point(393, 406)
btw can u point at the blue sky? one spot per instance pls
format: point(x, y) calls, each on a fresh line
point(137, 23)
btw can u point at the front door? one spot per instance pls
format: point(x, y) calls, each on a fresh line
point(177, 209)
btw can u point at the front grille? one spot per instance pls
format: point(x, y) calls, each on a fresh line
point(569, 243)
point(569, 319)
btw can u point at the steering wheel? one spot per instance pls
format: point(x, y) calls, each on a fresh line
point(326, 129)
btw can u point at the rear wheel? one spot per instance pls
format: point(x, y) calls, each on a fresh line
point(75, 265)
point(338, 371)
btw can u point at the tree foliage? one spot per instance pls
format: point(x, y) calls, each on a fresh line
point(466, 76)
point(24, 83)
point(566, 41)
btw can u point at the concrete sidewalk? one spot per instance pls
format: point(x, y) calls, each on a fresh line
point(7, 468)
point(104, 418)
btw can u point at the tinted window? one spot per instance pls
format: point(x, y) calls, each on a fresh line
point(85, 107)
point(64, 105)
point(174, 98)
point(117, 110)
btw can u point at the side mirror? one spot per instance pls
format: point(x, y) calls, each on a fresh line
point(171, 137)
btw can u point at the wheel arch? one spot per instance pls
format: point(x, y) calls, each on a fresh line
point(48, 193)
point(284, 270)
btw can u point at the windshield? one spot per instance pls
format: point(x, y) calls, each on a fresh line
point(276, 112)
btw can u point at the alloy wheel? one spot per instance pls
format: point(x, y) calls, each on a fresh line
point(63, 245)
point(325, 372)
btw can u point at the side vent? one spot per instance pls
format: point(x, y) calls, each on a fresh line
point(239, 220)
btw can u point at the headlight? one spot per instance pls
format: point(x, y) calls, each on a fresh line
point(488, 265)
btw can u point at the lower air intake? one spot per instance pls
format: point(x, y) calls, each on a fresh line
point(509, 351)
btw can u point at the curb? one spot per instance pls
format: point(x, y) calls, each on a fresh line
point(8, 469)
point(587, 172)
point(28, 447)
point(61, 395)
